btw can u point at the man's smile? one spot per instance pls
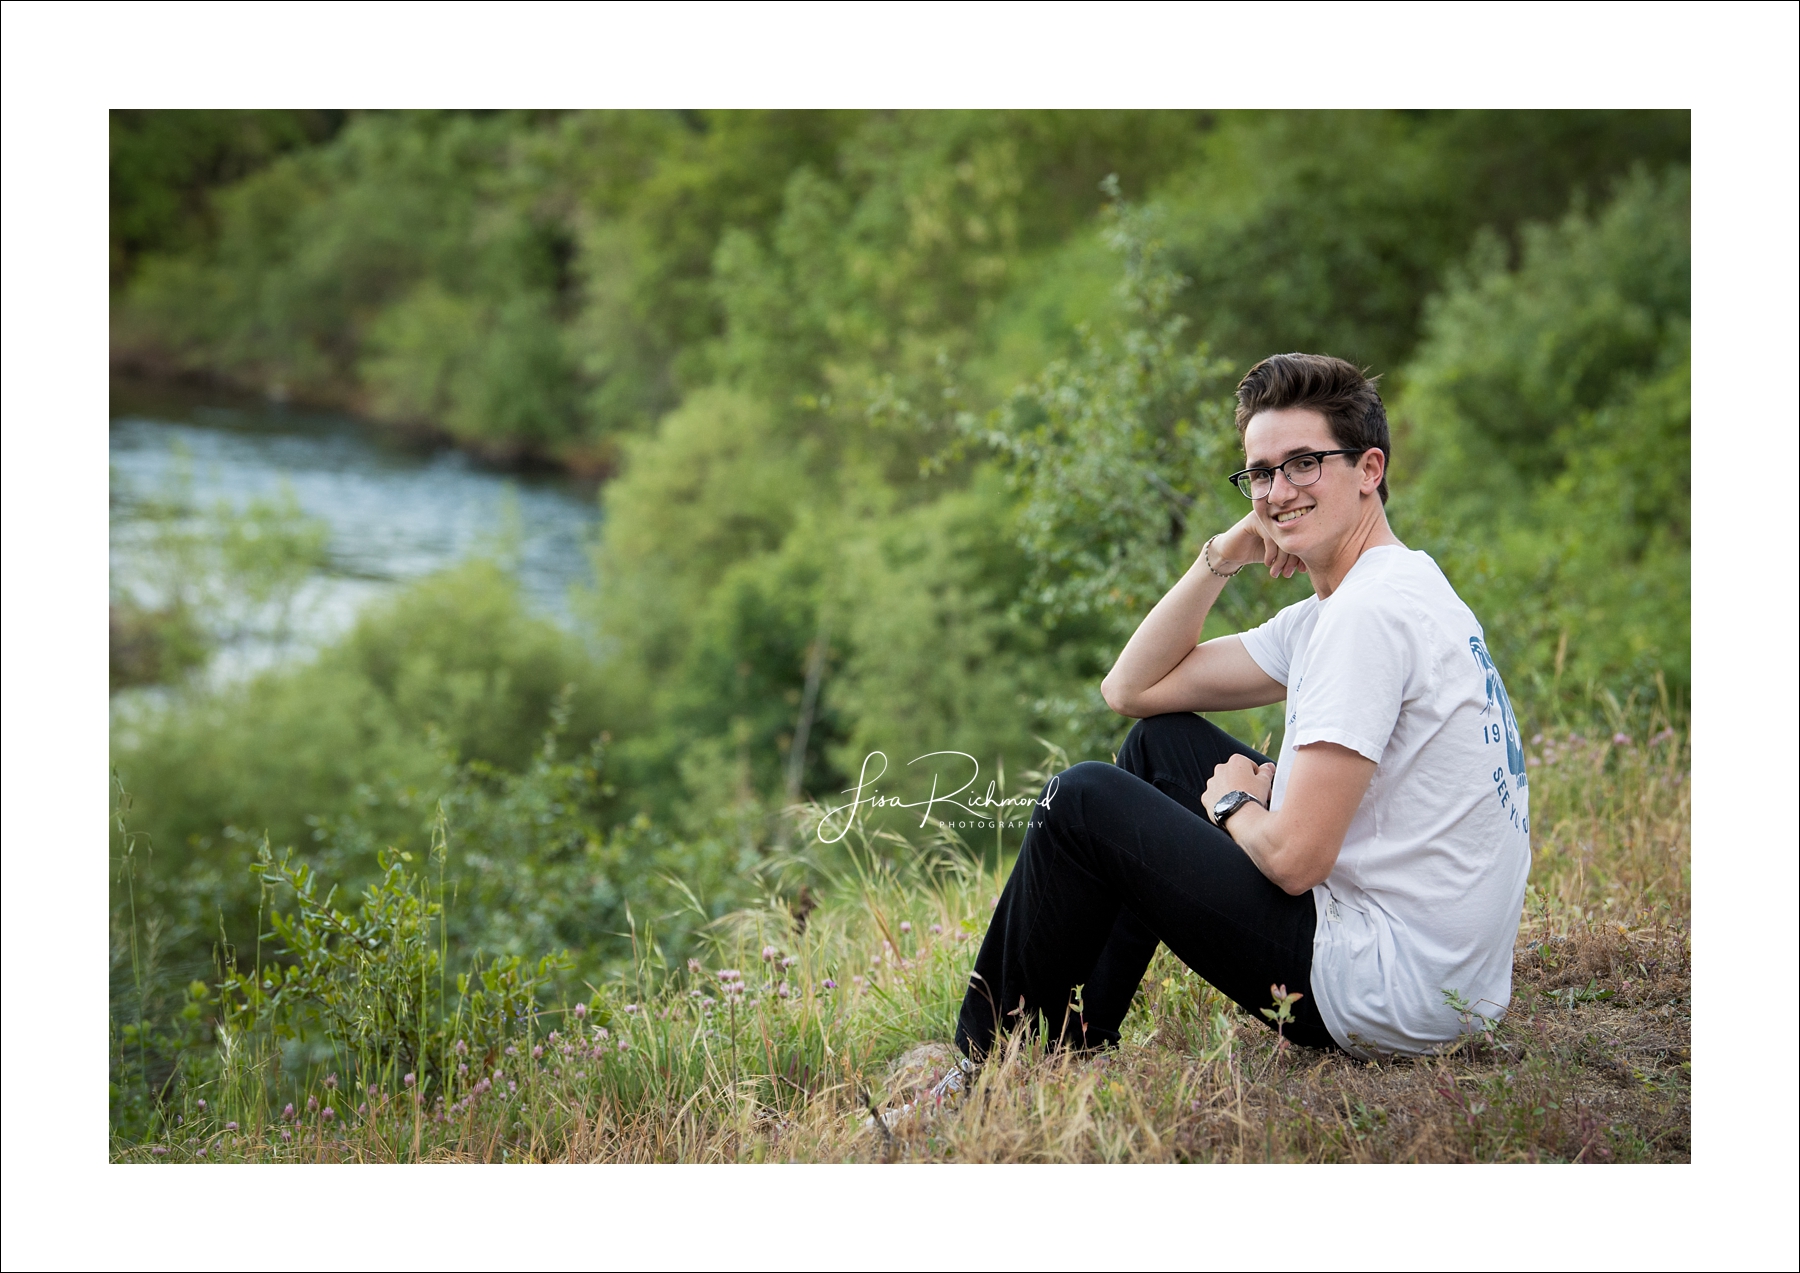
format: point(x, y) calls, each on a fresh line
point(1289, 516)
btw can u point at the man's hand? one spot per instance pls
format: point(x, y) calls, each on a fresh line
point(1249, 542)
point(1240, 773)
point(1296, 846)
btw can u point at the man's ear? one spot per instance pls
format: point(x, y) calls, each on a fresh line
point(1374, 467)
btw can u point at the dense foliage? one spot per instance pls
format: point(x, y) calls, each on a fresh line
point(908, 418)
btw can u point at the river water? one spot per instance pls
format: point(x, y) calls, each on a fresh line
point(395, 511)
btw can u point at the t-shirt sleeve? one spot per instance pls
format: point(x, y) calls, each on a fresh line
point(1359, 663)
point(1270, 645)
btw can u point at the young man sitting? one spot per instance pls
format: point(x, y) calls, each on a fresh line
point(1381, 864)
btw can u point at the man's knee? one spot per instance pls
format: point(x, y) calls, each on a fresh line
point(1153, 733)
point(1077, 786)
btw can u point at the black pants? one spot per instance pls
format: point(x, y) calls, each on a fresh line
point(1116, 859)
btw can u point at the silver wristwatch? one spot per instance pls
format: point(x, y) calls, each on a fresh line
point(1230, 803)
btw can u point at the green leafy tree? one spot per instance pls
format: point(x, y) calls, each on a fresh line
point(1548, 411)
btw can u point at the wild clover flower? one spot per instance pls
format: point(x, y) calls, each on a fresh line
point(362, 1111)
point(201, 1102)
point(462, 1049)
point(828, 984)
point(624, 1045)
point(782, 990)
point(580, 1011)
point(328, 1113)
point(693, 965)
point(231, 1127)
point(937, 928)
point(600, 1032)
point(161, 1151)
point(408, 1079)
point(312, 1105)
point(537, 1054)
point(631, 1009)
point(373, 1090)
point(906, 926)
point(789, 962)
point(330, 1082)
point(199, 1153)
point(287, 1112)
point(769, 953)
point(511, 1050)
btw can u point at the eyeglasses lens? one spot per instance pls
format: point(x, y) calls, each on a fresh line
point(1302, 470)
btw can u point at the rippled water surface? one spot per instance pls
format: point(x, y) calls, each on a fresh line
point(395, 512)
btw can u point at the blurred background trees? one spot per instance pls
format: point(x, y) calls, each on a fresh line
point(903, 422)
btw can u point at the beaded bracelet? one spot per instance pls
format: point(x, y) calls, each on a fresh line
point(1206, 556)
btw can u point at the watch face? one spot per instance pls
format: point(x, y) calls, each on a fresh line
point(1230, 804)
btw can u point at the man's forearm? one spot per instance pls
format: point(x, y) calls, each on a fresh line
point(1164, 638)
point(1296, 846)
point(1287, 864)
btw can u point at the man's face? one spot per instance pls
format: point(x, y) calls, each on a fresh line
point(1303, 519)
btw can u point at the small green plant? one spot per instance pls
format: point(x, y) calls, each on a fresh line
point(1473, 1022)
point(1283, 1012)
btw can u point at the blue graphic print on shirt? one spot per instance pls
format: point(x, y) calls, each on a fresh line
point(1496, 693)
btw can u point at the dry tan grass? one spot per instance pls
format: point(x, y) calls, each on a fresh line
point(1591, 1063)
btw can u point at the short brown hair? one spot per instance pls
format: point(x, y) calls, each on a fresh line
point(1346, 397)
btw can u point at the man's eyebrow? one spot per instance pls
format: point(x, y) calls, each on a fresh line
point(1286, 456)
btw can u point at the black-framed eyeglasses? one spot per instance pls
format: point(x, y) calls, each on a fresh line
point(1300, 470)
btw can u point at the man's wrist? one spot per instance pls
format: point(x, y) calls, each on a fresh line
point(1245, 818)
point(1216, 562)
point(1231, 804)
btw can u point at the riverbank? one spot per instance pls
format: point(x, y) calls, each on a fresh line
point(147, 373)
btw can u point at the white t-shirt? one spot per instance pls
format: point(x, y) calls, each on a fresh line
point(1426, 892)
